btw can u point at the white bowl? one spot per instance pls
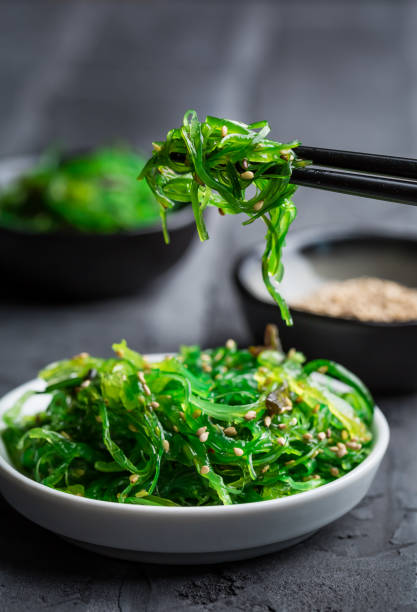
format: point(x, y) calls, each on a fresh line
point(207, 534)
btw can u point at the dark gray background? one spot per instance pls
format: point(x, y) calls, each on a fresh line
point(339, 74)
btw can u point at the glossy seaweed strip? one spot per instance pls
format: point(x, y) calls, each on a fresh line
point(221, 426)
point(218, 162)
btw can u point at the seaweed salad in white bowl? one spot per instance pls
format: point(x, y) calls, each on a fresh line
point(205, 455)
point(221, 426)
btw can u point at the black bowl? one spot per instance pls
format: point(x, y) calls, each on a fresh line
point(87, 266)
point(382, 354)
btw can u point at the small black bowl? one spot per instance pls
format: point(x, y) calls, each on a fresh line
point(79, 265)
point(382, 354)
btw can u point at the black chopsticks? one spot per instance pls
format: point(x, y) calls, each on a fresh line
point(361, 174)
point(365, 162)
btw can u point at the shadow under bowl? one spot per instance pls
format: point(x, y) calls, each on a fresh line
point(382, 354)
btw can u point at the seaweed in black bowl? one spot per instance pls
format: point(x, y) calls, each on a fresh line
point(79, 225)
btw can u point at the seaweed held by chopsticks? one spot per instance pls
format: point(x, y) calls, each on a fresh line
point(214, 163)
point(221, 426)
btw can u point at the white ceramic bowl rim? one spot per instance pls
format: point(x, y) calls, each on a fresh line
point(381, 439)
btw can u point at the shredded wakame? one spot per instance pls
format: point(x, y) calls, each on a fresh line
point(221, 426)
point(214, 163)
point(91, 192)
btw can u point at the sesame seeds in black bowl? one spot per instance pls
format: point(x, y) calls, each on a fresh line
point(382, 353)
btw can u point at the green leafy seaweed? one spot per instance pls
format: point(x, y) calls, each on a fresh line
point(90, 192)
point(214, 163)
point(221, 426)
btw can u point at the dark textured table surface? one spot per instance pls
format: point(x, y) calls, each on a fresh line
point(340, 74)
